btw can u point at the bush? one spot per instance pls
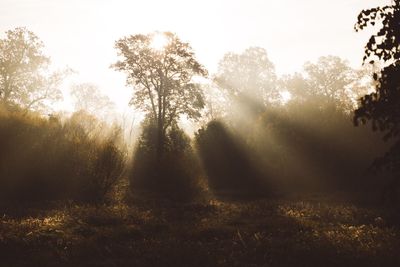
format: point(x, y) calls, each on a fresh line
point(230, 169)
point(175, 175)
point(44, 159)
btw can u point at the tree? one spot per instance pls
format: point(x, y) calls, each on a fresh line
point(176, 176)
point(24, 77)
point(327, 82)
point(215, 103)
point(248, 77)
point(87, 96)
point(382, 107)
point(160, 68)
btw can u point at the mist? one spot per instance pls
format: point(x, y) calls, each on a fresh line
point(203, 135)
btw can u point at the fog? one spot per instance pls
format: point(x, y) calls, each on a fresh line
point(199, 134)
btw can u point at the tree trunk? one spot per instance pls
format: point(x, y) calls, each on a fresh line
point(160, 132)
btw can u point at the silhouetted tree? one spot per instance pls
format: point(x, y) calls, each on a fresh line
point(176, 175)
point(162, 78)
point(382, 107)
point(24, 78)
point(230, 169)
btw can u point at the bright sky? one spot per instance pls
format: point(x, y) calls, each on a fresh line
point(81, 33)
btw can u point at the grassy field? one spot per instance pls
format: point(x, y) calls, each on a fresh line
point(315, 232)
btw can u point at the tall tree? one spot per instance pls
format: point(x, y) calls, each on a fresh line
point(161, 69)
point(382, 107)
point(24, 77)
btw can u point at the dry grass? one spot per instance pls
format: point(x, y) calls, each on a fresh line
point(213, 233)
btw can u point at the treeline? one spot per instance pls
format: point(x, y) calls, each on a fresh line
point(290, 133)
point(262, 135)
point(46, 155)
point(257, 134)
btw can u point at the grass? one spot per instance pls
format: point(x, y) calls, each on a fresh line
point(269, 232)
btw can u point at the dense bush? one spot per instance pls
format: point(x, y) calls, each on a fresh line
point(230, 168)
point(45, 159)
point(175, 175)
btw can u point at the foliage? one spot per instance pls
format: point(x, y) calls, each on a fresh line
point(249, 78)
point(308, 143)
point(176, 175)
point(162, 78)
point(382, 107)
point(329, 83)
point(229, 167)
point(44, 159)
point(24, 77)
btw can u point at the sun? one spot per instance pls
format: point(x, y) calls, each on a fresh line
point(285, 96)
point(159, 41)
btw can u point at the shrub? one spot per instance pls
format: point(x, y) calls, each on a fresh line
point(175, 175)
point(45, 159)
point(230, 169)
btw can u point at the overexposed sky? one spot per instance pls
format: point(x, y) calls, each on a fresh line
point(81, 33)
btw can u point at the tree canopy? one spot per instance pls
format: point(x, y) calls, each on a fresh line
point(329, 82)
point(249, 76)
point(382, 107)
point(161, 68)
point(24, 77)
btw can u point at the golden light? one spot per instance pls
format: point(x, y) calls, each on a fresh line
point(285, 96)
point(159, 41)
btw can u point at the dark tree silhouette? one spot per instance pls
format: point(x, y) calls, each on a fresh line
point(230, 169)
point(162, 77)
point(382, 107)
point(176, 175)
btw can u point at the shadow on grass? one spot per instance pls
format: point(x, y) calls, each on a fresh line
point(213, 233)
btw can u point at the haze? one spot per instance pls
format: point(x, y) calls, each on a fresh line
point(81, 34)
point(200, 133)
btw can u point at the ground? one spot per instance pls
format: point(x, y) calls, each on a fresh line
point(268, 232)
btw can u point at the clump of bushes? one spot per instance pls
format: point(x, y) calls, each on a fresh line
point(174, 175)
point(46, 159)
point(230, 168)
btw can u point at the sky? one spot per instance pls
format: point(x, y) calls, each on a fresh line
point(81, 34)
